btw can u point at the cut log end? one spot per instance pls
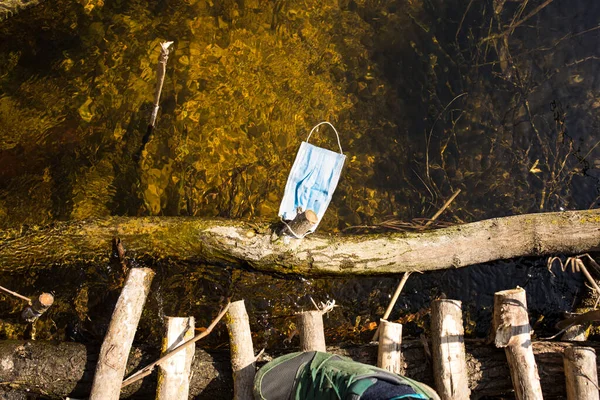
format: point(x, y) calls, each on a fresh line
point(46, 299)
point(303, 223)
point(311, 216)
point(39, 306)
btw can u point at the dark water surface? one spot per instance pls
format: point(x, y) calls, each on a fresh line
point(498, 99)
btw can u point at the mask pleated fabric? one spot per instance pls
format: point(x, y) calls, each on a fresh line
point(312, 180)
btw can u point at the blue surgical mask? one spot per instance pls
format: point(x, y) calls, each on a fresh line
point(312, 180)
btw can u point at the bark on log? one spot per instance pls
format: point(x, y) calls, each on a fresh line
point(174, 374)
point(66, 369)
point(225, 242)
point(312, 334)
point(513, 333)
point(581, 373)
point(448, 350)
point(389, 355)
point(119, 337)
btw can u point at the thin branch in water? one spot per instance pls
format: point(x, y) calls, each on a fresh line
point(424, 184)
point(20, 296)
point(441, 210)
point(527, 17)
point(462, 20)
point(512, 27)
point(161, 70)
point(428, 138)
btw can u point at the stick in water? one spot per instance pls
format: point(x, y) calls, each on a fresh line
point(161, 70)
point(392, 303)
point(20, 296)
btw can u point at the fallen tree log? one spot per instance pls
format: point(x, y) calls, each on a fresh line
point(66, 369)
point(226, 242)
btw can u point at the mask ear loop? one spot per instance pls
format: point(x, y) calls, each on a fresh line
point(332, 127)
point(290, 230)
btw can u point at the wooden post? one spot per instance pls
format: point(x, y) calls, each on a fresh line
point(389, 354)
point(119, 337)
point(39, 306)
point(242, 351)
point(581, 373)
point(512, 331)
point(448, 350)
point(174, 374)
point(312, 334)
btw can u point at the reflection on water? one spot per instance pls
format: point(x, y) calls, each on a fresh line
point(496, 98)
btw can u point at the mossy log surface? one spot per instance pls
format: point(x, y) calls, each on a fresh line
point(57, 370)
point(237, 243)
point(9, 8)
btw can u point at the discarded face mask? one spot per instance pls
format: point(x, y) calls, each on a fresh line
point(310, 186)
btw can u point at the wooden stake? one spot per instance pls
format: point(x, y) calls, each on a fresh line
point(389, 354)
point(448, 348)
point(312, 334)
point(174, 374)
point(147, 370)
point(242, 351)
point(581, 373)
point(512, 331)
point(39, 306)
point(119, 337)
